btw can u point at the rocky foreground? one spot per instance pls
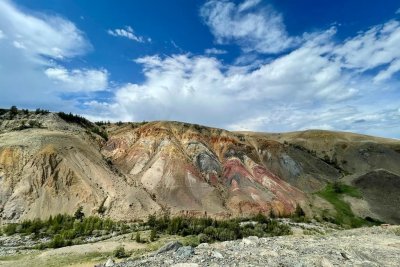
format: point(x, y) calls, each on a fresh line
point(375, 246)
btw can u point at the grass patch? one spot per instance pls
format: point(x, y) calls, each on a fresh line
point(35, 260)
point(333, 193)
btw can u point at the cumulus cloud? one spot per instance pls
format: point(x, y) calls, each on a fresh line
point(32, 52)
point(261, 30)
point(49, 36)
point(127, 33)
point(215, 51)
point(78, 80)
point(313, 86)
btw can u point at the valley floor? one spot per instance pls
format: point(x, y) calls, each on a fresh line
point(373, 246)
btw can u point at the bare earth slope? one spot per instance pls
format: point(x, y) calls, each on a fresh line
point(49, 166)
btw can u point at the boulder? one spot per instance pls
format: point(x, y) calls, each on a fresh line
point(171, 246)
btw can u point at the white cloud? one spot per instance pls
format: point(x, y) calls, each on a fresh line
point(78, 80)
point(195, 89)
point(248, 4)
point(49, 36)
point(386, 74)
point(310, 87)
point(2, 36)
point(19, 45)
point(34, 44)
point(215, 51)
point(127, 33)
point(375, 47)
point(261, 30)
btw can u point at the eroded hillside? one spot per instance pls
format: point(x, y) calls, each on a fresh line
point(127, 171)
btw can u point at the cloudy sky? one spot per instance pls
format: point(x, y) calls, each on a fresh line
point(262, 65)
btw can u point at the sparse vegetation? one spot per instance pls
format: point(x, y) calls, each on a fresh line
point(120, 252)
point(299, 215)
point(41, 111)
point(64, 230)
point(210, 230)
point(344, 215)
point(28, 125)
point(71, 118)
point(101, 123)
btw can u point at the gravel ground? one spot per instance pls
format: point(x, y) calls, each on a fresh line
point(375, 246)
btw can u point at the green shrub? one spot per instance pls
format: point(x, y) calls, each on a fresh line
point(153, 235)
point(120, 252)
point(137, 238)
point(59, 241)
point(10, 229)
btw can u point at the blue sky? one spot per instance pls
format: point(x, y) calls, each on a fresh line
point(242, 65)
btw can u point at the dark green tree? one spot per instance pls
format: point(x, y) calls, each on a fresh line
point(13, 111)
point(79, 215)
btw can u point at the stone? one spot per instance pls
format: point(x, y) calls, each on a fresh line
point(325, 263)
point(184, 252)
point(110, 263)
point(203, 246)
point(217, 254)
point(186, 264)
point(251, 240)
point(171, 246)
point(269, 253)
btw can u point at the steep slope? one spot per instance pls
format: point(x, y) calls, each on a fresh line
point(49, 171)
point(353, 153)
point(196, 168)
point(371, 164)
point(381, 189)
